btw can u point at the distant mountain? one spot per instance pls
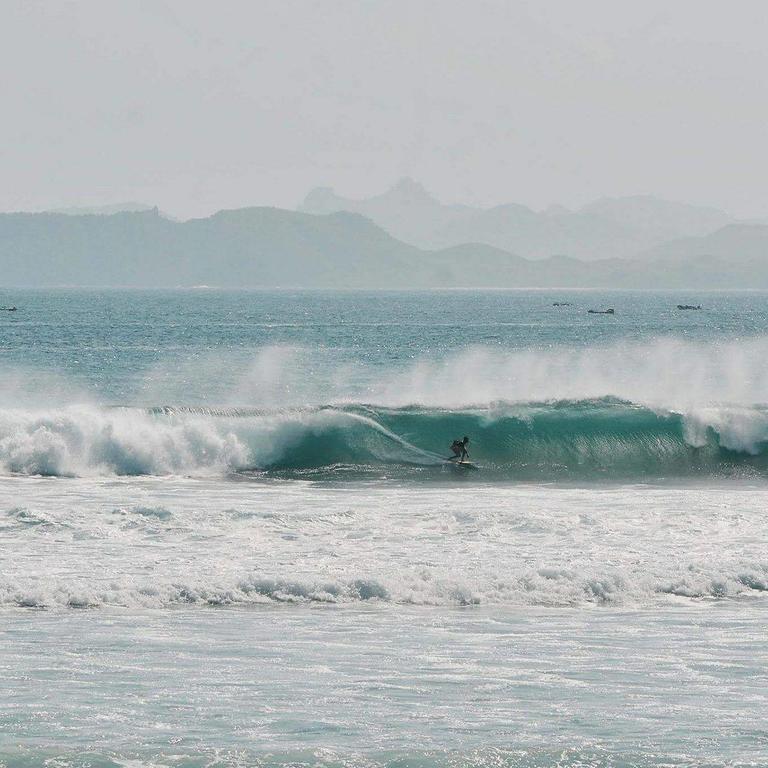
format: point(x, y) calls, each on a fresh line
point(250, 247)
point(661, 218)
point(104, 210)
point(607, 228)
point(735, 256)
point(538, 236)
point(736, 241)
point(247, 247)
point(407, 212)
point(269, 247)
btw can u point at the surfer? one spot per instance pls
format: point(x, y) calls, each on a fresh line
point(459, 448)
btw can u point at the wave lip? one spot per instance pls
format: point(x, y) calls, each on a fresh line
point(599, 438)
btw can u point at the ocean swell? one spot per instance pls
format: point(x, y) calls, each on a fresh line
point(585, 439)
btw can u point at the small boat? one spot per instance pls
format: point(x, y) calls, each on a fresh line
point(609, 311)
point(8, 309)
point(688, 306)
point(561, 304)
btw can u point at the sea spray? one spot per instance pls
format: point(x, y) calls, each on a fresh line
point(602, 439)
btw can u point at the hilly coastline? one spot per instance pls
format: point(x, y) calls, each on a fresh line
point(271, 247)
point(607, 228)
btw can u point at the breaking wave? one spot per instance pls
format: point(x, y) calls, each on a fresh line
point(543, 587)
point(585, 439)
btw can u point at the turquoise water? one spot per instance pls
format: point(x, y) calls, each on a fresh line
point(230, 537)
point(313, 384)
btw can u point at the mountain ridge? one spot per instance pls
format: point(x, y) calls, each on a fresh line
point(273, 247)
point(606, 228)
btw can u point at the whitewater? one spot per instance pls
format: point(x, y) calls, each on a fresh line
point(229, 534)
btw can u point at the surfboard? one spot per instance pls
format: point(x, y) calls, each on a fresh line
point(463, 464)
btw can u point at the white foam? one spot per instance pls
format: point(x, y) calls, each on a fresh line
point(208, 542)
point(738, 428)
point(79, 440)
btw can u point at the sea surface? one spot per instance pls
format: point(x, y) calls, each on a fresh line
point(230, 535)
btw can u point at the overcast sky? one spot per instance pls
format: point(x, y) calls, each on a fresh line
point(196, 106)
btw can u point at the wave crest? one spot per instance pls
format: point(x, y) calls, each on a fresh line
point(606, 438)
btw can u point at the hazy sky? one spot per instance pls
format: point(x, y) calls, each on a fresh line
point(196, 106)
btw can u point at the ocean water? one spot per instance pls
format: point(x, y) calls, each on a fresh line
point(229, 534)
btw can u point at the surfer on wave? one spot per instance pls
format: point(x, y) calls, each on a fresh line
point(459, 448)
